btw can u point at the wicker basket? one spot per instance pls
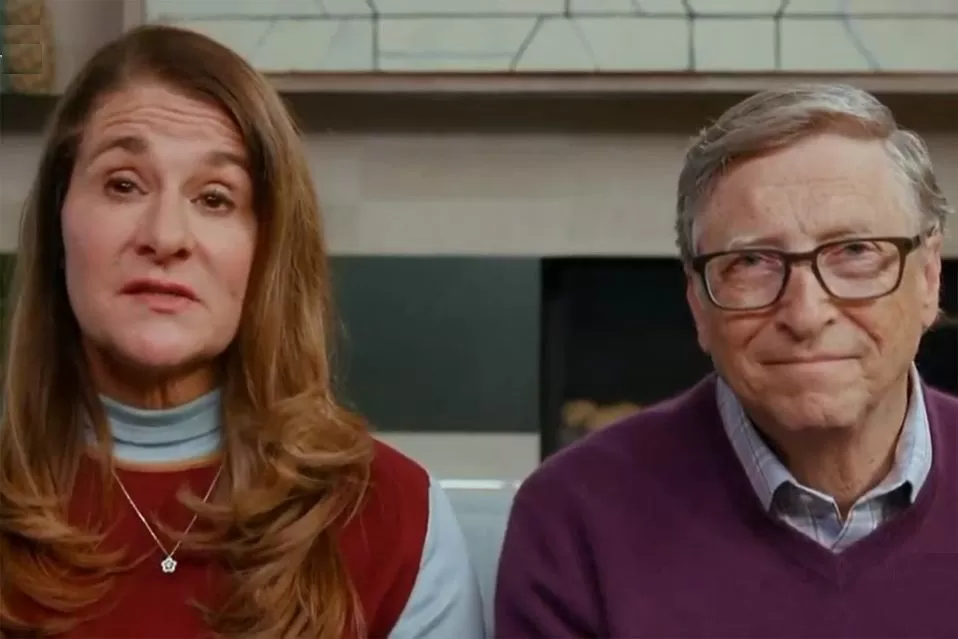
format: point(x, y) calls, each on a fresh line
point(28, 46)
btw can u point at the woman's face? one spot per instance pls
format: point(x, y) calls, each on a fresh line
point(159, 234)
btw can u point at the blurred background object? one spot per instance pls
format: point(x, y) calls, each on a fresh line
point(27, 47)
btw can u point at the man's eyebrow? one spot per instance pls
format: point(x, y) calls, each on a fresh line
point(773, 240)
point(778, 241)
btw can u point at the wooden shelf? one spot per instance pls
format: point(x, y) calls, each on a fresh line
point(602, 83)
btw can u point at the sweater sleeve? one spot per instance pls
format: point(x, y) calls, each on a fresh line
point(546, 588)
point(445, 602)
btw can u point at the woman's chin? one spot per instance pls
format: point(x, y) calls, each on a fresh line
point(159, 355)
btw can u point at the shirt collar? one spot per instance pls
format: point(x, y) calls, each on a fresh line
point(767, 473)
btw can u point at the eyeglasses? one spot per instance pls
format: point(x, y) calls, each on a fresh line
point(855, 269)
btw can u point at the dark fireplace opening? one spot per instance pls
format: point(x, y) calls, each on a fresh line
point(617, 335)
point(938, 355)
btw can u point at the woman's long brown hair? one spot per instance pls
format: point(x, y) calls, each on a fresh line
point(297, 463)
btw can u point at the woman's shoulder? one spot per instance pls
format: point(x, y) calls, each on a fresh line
point(383, 543)
point(392, 520)
point(394, 472)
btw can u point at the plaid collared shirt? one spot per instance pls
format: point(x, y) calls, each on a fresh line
point(816, 514)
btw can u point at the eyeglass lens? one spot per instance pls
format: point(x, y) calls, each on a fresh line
point(857, 269)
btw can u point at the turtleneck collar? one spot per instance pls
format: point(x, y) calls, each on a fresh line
point(168, 435)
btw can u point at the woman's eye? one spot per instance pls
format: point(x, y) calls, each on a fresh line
point(121, 186)
point(216, 201)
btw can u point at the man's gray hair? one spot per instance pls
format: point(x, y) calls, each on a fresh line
point(776, 118)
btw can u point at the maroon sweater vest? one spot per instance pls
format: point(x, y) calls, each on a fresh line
point(650, 529)
point(382, 548)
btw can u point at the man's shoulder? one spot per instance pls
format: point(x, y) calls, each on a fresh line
point(942, 410)
point(645, 446)
point(942, 400)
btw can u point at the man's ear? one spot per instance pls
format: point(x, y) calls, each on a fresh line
point(693, 295)
point(930, 280)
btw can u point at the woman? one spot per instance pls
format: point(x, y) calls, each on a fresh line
point(173, 461)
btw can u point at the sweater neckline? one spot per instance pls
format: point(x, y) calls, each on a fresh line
point(838, 569)
point(170, 436)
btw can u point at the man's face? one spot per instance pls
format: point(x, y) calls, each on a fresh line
point(823, 188)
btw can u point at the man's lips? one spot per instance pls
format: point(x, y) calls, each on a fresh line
point(808, 360)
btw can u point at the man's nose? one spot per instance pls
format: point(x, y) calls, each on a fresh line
point(806, 307)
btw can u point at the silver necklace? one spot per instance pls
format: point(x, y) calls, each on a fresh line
point(168, 565)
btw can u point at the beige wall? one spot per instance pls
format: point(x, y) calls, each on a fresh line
point(79, 28)
point(470, 456)
point(490, 193)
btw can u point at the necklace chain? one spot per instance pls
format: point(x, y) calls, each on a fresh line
point(168, 565)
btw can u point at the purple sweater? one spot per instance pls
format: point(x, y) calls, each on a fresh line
point(650, 529)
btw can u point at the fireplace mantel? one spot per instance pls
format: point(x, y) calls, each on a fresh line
point(579, 46)
point(599, 84)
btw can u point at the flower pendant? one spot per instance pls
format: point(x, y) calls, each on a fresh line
point(168, 565)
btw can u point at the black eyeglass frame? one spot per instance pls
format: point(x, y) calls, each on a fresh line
point(905, 245)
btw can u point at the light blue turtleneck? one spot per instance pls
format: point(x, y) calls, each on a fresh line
point(177, 434)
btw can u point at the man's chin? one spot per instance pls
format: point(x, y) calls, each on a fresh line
point(813, 377)
point(819, 411)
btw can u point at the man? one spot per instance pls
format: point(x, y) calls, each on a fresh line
point(810, 487)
